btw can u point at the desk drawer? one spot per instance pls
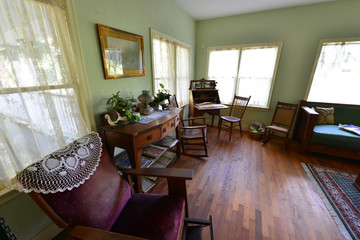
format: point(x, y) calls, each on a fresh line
point(168, 127)
point(148, 137)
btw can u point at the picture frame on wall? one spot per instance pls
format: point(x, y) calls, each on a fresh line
point(122, 53)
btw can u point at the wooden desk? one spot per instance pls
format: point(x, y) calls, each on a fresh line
point(212, 109)
point(134, 137)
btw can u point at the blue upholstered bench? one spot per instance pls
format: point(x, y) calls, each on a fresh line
point(328, 139)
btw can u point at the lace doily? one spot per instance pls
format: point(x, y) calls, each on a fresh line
point(63, 169)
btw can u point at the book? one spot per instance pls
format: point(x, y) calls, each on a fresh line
point(166, 158)
point(350, 128)
point(153, 151)
point(147, 184)
point(167, 141)
point(123, 161)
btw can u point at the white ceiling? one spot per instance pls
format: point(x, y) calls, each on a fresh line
point(205, 9)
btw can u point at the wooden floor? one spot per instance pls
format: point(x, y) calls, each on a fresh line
point(256, 191)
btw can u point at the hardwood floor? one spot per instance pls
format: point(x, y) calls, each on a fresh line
point(256, 191)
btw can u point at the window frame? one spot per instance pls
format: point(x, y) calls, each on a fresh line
point(175, 42)
point(244, 46)
point(317, 56)
point(82, 88)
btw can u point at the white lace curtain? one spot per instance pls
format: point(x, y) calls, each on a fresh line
point(337, 74)
point(171, 67)
point(39, 110)
point(244, 71)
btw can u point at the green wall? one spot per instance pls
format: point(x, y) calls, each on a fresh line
point(300, 29)
point(135, 16)
point(24, 217)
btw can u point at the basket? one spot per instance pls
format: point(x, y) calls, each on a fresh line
point(255, 135)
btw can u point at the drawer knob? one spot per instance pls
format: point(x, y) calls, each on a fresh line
point(149, 137)
point(164, 130)
point(172, 124)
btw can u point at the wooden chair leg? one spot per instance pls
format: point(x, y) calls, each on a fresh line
point(240, 128)
point(219, 126)
point(204, 142)
point(231, 127)
point(265, 136)
point(182, 146)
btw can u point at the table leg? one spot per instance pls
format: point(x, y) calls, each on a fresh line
point(135, 155)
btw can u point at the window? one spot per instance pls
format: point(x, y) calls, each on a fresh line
point(171, 66)
point(245, 70)
point(336, 74)
point(39, 106)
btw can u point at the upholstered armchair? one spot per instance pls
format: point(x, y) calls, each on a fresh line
point(80, 189)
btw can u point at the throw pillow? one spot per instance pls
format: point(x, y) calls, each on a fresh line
point(326, 116)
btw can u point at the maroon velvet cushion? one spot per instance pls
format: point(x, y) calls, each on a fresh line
point(96, 203)
point(152, 216)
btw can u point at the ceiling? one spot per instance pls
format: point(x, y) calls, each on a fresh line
point(205, 9)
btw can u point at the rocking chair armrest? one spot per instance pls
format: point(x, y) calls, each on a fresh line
point(169, 173)
point(194, 127)
point(83, 232)
point(193, 118)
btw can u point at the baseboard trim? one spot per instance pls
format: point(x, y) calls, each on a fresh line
point(48, 233)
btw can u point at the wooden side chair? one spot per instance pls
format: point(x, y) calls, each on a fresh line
point(193, 135)
point(82, 191)
point(282, 121)
point(236, 114)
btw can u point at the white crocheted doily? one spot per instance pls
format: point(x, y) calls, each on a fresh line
point(63, 169)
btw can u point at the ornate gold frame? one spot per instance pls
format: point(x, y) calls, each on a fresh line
point(122, 53)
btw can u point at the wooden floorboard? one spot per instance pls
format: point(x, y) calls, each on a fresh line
point(256, 191)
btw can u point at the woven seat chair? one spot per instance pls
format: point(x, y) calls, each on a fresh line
point(282, 121)
point(236, 114)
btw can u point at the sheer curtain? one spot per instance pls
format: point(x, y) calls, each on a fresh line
point(39, 109)
point(256, 73)
point(337, 74)
point(245, 70)
point(171, 66)
point(164, 64)
point(223, 67)
point(182, 74)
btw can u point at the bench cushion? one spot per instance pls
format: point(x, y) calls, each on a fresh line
point(331, 135)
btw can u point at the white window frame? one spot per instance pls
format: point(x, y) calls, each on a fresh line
point(322, 43)
point(176, 42)
point(245, 46)
point(82, 88)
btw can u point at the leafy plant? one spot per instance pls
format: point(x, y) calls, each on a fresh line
point(162, 94)
point(124, 106)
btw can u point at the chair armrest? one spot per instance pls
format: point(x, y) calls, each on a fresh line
point(308, 118)
point(309, 111)
point(170, 173)
point(194, 127)
point(194, 118)
point(82, 232)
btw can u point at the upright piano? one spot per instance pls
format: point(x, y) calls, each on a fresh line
point(204, 98)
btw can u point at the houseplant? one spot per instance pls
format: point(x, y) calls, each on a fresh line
point(124, 107)
point(160, 97)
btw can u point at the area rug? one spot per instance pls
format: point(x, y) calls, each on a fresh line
point(341, 198)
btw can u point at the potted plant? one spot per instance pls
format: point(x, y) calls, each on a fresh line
point(124, 109)
point(160, 97)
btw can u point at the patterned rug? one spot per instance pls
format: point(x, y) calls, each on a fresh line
point(339, 195)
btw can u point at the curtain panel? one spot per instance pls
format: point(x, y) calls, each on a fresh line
point(171, 66)
point(39, 93)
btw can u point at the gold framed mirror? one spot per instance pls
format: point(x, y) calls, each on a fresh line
point(122, 53)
